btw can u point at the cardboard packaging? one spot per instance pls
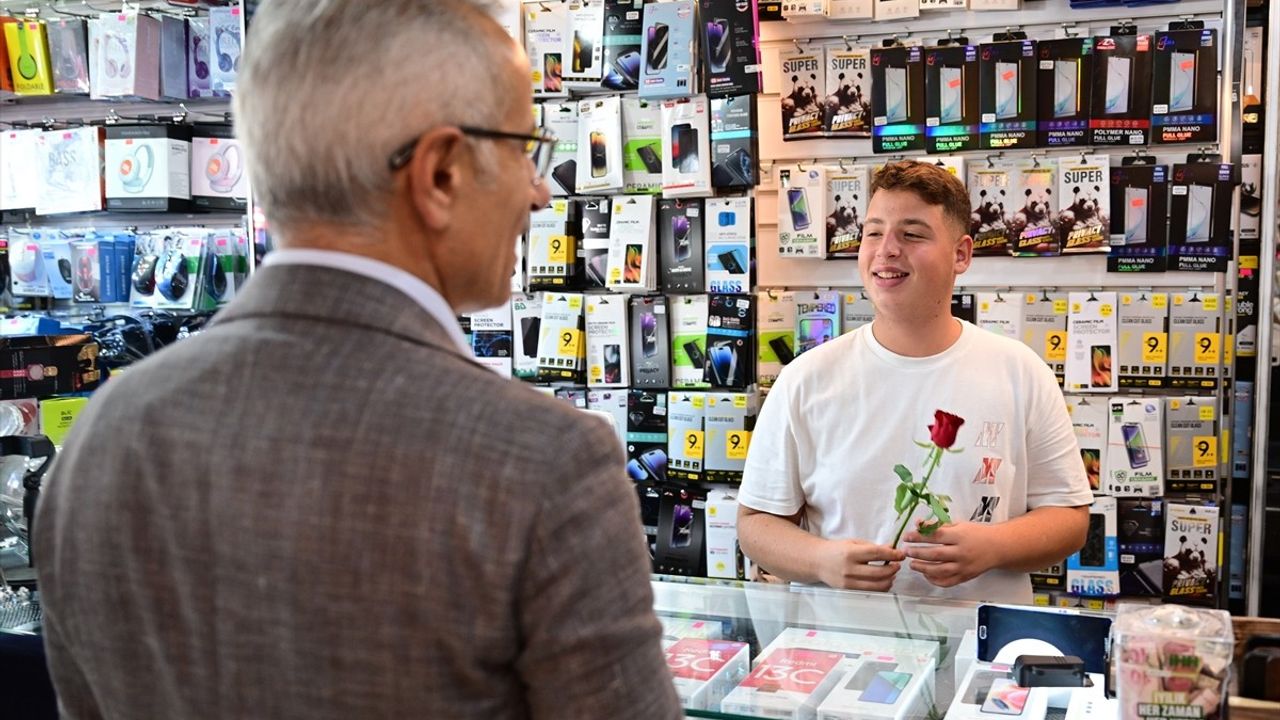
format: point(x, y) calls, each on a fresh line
point(1195, 340)
point(817, 318)
point(730, 418)
point(599, 145)
point(1036, 220)
point(1143, 353)
point(623, 25)
point(724, 556)
point(1135, 453)
point(801, 232)
point(1064, 90)
point(803, 81)
point(28, 58)
point(1191, 552)
point(1191, 445)
point(686, 158)
point(682, 249)
point(730, 341)
point(45, 365)
point(776, 311)
point(1121, 91)
point(218, 177)
point(1141, 542)
point(1083, 192)
point(1200, 216)
point(730, 47)
point(561, 349)
point(1095, 570)
point(1092, 337)
point(1007, 76)
point(897, 99)
point(729, 230)
point(993, 195)
point(668, 49)
point(71, 171)
point(650, 343)
point(148, 167)
point(1139, 226)
point(847, 106)
point(848, 192)
point(705, 671)
point(951, 98)
point(69, 56)
point(686, 438)
point(1184, 87)
point(641, 146)
point(735, 151)
point(647, 436)
point(608, 348)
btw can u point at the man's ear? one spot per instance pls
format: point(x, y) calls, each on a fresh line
point(964, 253)
point(435, 176)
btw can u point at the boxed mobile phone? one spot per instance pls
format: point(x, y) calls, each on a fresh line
point(599, 145)
point(1121, 99)
point(1092, 337)
point(1063, 90)
point(608, 356)
point(787, 682)
point(858, 311)
point(667, 49)
point(817, 318)
point(705, 671)
point(526, 323)
point(734, 148)
point(148, 167)
point(561, 350)
point(614, 404)
point(999, 314)
point(1200, 216)
point(20, 166)
point(70, 171)
point(676, 629)
point(855, 645)
point(1007, 80)
point(682, 250)
point(803, 82)
point(1185, 87)
point(724, 556)
point(951, 98)
point(897, 99)
point(1095, 570)
point(880, 686)
point(218, 179)
point(1083, 192)
point(848, 192)
point(641, 146)
point(1035, 217)
point(846, 109)
point(776, 311)
point(595, 229)
point(686, 438)
point(491, 339)
point(623, 23)
point(993, 197)
point(547, 41)
point(553, 245)
point(561, 119)
point(1190, 552)
point(1135, 456)
point(1191, 445)
point(686, 157)
point(1143, 354)
point(1139, 227)
point(730, 419)
point(650, 343)
point(647, 436)
point(632, 263)
point(730, 341)
point(682, 527)
point(728, 229)
point(689, 340)
point(584, 67)
point(801, 232)
point(1141, 542)
point(730, 47)
point(989, 691)
point(1195, 339)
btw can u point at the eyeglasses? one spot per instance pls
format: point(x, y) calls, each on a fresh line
point(538, 147)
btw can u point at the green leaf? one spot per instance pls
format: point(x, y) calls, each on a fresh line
point(924, 445)
point(902, 498)
point(929, 528)
point(945, 499)
point(939, 510)
point(955, 450)
point(902, 472)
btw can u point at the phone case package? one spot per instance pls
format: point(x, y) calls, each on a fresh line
point(848, 192)
point(562, 120)
point(1135, 456)
point(1172, 661)
point(686, 437)
point(731, 416)
point(148, 167)
point(1191, 445)
point(734, 147)
point(1141, 535)
point(705, 671)
point(897, 99)
point(584, 67)
point(491, 339)
point(1064, 86)
point(547, 41)
point(1200, 216)
point(1139, 226)
point(817, 318)
point(1195, 340)
point(1035, 219)
point(561, 346)
point(1185, 87)
point(526, 323)
point(28, 57)
point(1007, 78)
point(993, 195)
point(686, 156)
point(951, 98)
point(681, 245)
point(728, 231)
point(800, 230)
point(70, 171)
point(668, 50)
point(1094, 571)
point(847, 106)
point(730, 47)
point(1089, 421)
point(620, 62)
point(730, 348)
point(688, 340)
point(650, 343)
point(1143, 354)
point(646, 435)
point(1190, 552)
point(1085, 196)
point(20, 166)
point(599, 146)
point(608, 346)
point(803, 82)
point(632, 263)
point(776, 313)
point(1121, 100)
point(999, 314)
point(69, 56)
point(553, 245)
point(1092, 337)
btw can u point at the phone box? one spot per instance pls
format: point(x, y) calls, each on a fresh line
point(677, 629)
point(148, 167)
point(682, 528)
point(1007, 86)
point(704, 671)
point(686, 438)
point(632, 261)
point(552, 250)
point(1035, 216)
point(1121, 100)
point(682, 249)
point(734, 147)
point(599, 145)
point(951, 98)
point(1190, 552)
point(1053, 577)
point(561, 118)
point(1085, 197)
point(526, 322)
point(1185, 87)
point(647, 435)
point(1092, 337)
point(848, 192)
point(1139, 225)
point(989, 691)
point(689, 340)
point(1195, 339)
point(28, 57)
point(43, 365)
point(584, 66)
point(817, 318)
point(608, 356)
point(788, 682)
point(71, 171)
point(1000, 315)
point(20, 166)
point(218, 177)
point(730, 341)
point(724, 556)
point(1095, 570)
point(858, 311)
point(803, 82)
point(776, 310)
point(1064, 86)
point(224, 31)
point(847, 105)
point(596, 214)
point(880, 686)
point(69, 56)
point(668, 64)
point(729, 230)
point(547, 40)
point(28, 270)
point(855, 645)
point(1135, 456)
point(730, 47)
point(1200, 216)
point(1141, 542)
point(686, 157)
point(614, 404)
point(1143, 354)
point(897, 99)
point(491, 339)
point(801, 231)
point(621, 59)
point(641, 146)
point(730, 419)
point(650, 343)
point(561, 350)
point(993, 195)
point(56, 252)
point(1191, 445)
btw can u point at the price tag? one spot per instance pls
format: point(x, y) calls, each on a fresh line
point(1106, 310)
point(699, 400)
point(1159, 300)
point(1055, 346)
point(558, 252)
point(1205, 451)
point(1206, 413)
point(1209, 303)
point(1207, 348)
point(693, 444)
point(568, 342)
point(1155, 348)
point(740, 401)
point(1059, 307)
point(736, 443)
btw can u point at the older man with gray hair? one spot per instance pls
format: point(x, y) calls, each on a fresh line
point(321, 507)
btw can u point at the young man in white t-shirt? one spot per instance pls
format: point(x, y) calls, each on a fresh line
point(978, 415)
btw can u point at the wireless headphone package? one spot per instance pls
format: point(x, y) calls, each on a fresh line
point(148, 167)
point(1140, 205)
point(1143, 352)
point(686, 436)
point(689, 340)
point(526, 322)
point(28, 45)
point(801, 228)
point(1064, 88)
point(776, 311)
point(734, 143)
point(561, 346)
point(584, 67)
point(1085, 196)
point(6, 72)
point(1121, 113)
point(173, 57)
point(218, 178)
point(1007, 86)
point(728, 230)
point(547, 42)
point(731, 353)
point(681, 246)
point(633, 261)
point(686, 156)
point(1185, 87)
point(224, 29)
point(847, 197)
point(803, 81)
point(69, 55)
point(730, 47)
point(650, 343)
point(667, 50)
point(562, 120)
point(1191, 445)
point(20, 158)
point(1200, 216)
point(599, 145)
point(897, 99)
point(1094, 571)
point(847, 106)
point(1135, 456)
point(1195, 340)
point(70, 171)
point(641, 146)
point(608, 353)
point(199, 77)
point(128, 56)
point(1034, 219)
point(621, 60)
point(951, 98)
point(993, 195)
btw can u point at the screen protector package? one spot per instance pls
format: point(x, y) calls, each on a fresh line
point(728, 230)
point(1064, 86)
point(526, 324)
point(584, 66)
point(608, 346)
point(1185, 87)
point(1139, 202)
point(686, 437)
point(491, 339)
point(561, 346)
point(647, 435)
point(599, 145)
point(1094, 571)
point(1135, 454)
point(847, 105)
point(686, 150)
point(1191, 445)
point(951, 98)
point(1121, 90)
point(553, 245)
point(1143, 354)
point(817, 318)
point(1141, 536)
point(776, 312)
point(1007, 80)
point(562, 120)
point(803, 83)
point(641, 146)
point(993, 196)
point(897, 99)
point(650, 342)
point(858, 310)
point(1035, 218)
point(848, 192)
point(1191, 554)
point(1085, 195)
point(613, 403)
point(1200, 216)
point(1195, 339)
point(682, 528)
point(681, 247)
point(596, 229)
point(1000, 314)
point(688, 340)
point(1044, 327)
point(633, 258)
point(730, 47)
point(1092, 337)
point(734, 147)
point(1089, 421)
point(668, 42)
point(620, 62)
point(731, 416)
point(548, 42)
point(730, 341)
point(801, 229)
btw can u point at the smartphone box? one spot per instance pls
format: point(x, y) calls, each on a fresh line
point(799, 231)
point(1141, 543)
point(1191, 445)
point(705, 671)
point(650, 343)
point(686, 437)
point(20, 168)
point(1195, 339)
point(1139, 226)
point(1095, 570)
point(596, 227)
point(1121, 100)
point(848, 192)
point(880, 686)
point(1085, 197)
point(1092, 337)
point(218, 177)
point(1190, 552)
point(734, 148)
point(224, 31)
point(724, 556)
point(846, 108)
point(676, 629)
point(599, 145)
point(855, 645)
point(1064, 88)
point(993, 195)
point(951, 98)
point(632, 262)
point(561, 119)
point(897, 99)
point(730, 47)
point(1143, 353)
point(548, 42)
point(1135, 456)
point(776, 312)
point(990, 691)
point(817, 318)
point(623, 25)
point(1035, 218)
point(561, 350)
point(668, 63)
point(29, 59)
point(787, 682)
point(584, 66)
point(1089, 421)
point(1200, 216)
point(70, 171)
point(682, 250)
point(729, 229)
point(1184, 87)
point(686, 158)
point(1007, 85)
point(999, 314)
point(59, 271)
point(730, 418)
point(148, 167)
point(526, 323)
point(552, 250)
point(608, 349)
point(647, 436)
point(641, 146)
point(730, 341)
point(689, 340)
point(803, 82)
point(858, 311)
point(491, 339)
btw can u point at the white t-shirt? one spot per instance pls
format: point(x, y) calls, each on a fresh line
point(843, 414)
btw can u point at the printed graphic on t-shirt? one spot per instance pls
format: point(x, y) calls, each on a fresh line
point(987, 473)
point(986, 510)
point(990, 435)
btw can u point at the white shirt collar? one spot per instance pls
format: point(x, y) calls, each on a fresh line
point(417, 290)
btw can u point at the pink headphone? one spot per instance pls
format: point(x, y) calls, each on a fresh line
point(224, 168)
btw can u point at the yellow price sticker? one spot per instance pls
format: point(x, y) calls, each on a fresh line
point(1106, 310)
point(1207, 413)
point(693, 440)
point(1208, 346)
point(1155, 348)
point(558, 250)
point(1159, 300)
point(1055, 346)
point(1248, 262)
point(740, 401)
point(1095, 604)
point(1209, 303)
point(1204, 451)
point(568, 343)
point(851, 298)
point(699, 400)
point(1059, 307)
point(1041, 600)
point(736, 444)
point(597, 372)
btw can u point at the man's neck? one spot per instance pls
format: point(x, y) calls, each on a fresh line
point(371, 245)
point(917, 339)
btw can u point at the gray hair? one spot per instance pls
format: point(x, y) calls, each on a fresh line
point(329, 89)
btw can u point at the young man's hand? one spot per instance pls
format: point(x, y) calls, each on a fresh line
point(845, 564)
point(962, 552)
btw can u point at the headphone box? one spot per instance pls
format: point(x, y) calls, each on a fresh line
point(6, 73)
point(69, 55)
point(44, 365)
point(29, 57)
point(224, 58)
point(127, 49)
point(199, 82)
point(173, 57)
point(148, 167)
point(71, 170)
point(218, 177)
point(19, 169)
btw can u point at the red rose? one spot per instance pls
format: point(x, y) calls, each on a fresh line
point(944, 428)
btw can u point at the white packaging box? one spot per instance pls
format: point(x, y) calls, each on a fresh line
point(787, 682)
point(705, 671)
point(880, 686)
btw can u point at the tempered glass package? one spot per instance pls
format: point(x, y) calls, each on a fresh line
point(686, 154)
point(686, 438)
point(547, 43)
point(847, 197)
point(1064, 88)
point(1143, 354)
point(621, 57)
point(1191, 553)
point(1045, 328)
point(1191, 445)
point(584, 67)
point(731, 341)
point(608, 349)
point(1184, 96)
point(734, 146)
point(951, 98)
point(1135, 449)
point(562, 120)
point(1092, 338)
point(1140, 201)
point(993, 196)
point(803, 81)
point(847, 105)
point(668, 44)
point(897, 99)
point(1200, 216)
point(641, 146)
point(1007, 79)
point(801, 230)
point(1195, 339)
point(817, 318)
point(1094, 571)
point(650, 343)
point(1035, 221)
point(1121, 113)
point(730, 34)
point(728, 231)
point(776, 311)
point(681, 246)
point(1084, 192)
point(599, 145)
point(688, 324)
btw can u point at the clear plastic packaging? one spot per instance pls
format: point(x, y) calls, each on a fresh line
point(1171, 661)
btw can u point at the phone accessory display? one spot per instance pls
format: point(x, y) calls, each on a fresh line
point(1036, 220)
point(599, 145)
point(548, 42)
point(776, 311)
point(730, 47)
point(69, 55)
point(1195, 339)
point(951, 98)
point(561, 346)
point(848, 192)
point(28, 44)
point(1084, 192)
point(526, 325)
point(632, 262)
point(734, 145)
point(1122, 92)
point(686, 438)
point(846, 108)
point(1092, 337)
point(1089, 421)
point(1177, 659)
point(680, 238)
point(1135, 455)
point(71, 171)
point(1191, 445)
point(669, 46)
point(1200, 216)
point(608, 348)
point(1094, 571)
point(817, 319)
point(1007, 79)
point(897, 99)
point(641, 146)
point(1143, 352)
point(1139, 201)
point(728, 230)
point(999, 314)
point(224, 28)
point(801, 232)
point(686, 156)
point(803, 85)
point(689, 340)
point(1184, 96)
point(650, 343)
point(1191, 552)
point(993, 193)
